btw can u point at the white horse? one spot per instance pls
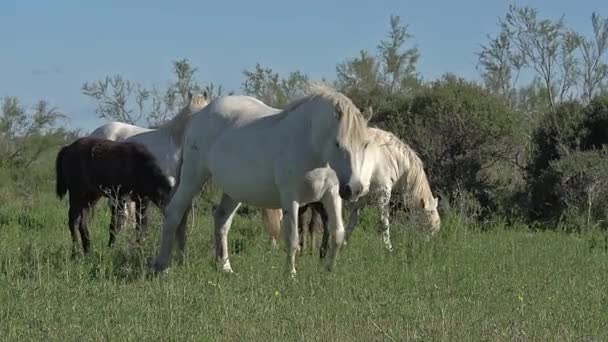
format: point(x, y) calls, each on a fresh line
point(164, 142)
point(396, 166)
point(311, 151)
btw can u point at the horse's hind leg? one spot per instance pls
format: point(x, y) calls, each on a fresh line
point(322, 213)
point(141, 219)
point(316, 224)
point(117, 220)
point(222, 218)
point(304, 220)
point(333, 205)
point(74, 217)
point(84, 230)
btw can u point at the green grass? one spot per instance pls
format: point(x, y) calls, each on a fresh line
point(462, 285)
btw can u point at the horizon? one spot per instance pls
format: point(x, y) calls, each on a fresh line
point(55, 48)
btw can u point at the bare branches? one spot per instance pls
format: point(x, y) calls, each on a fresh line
point(113, 95)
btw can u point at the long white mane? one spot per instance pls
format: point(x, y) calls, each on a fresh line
point(413, 181)
point(352, 125)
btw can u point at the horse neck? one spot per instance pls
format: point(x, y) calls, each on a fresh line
point(412, 181)
point(176, 127)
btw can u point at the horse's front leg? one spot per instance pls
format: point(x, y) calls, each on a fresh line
point(383, 202)
point(290, 234)
point(222, 217)
point(333, 206)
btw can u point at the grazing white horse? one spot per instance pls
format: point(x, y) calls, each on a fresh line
point(396, 166)
point(164, 142)
point(262, 156)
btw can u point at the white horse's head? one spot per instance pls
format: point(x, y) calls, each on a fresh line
point(339, 133)
point(198, 101)
point(429, 207)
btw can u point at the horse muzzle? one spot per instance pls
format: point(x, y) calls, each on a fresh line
point(350, 193)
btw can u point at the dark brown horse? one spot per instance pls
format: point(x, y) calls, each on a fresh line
point(91, 168)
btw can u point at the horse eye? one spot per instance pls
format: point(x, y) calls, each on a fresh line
point(366, 144)
point(337, 144)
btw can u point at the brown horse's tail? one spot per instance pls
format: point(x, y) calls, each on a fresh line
point(61, 186)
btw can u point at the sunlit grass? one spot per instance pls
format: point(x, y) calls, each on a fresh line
point(463, 284)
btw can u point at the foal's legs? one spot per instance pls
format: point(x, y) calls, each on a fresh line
point(333, 206)
point(82, 227)
point(141, 219)
point(222, 218)
point(117, 220)
point(74, 217)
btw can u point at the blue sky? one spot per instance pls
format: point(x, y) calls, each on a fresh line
point(50, 48)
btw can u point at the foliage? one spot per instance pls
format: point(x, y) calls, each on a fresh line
point(267, 86)
point(126, 101)
point(461, 133)
point(23, 136)
point(581, 184)
point(372, 80)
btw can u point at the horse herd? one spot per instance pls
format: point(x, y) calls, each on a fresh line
point(302, 160)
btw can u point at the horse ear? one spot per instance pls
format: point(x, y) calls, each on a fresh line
point(368, 113)
point(436, 202)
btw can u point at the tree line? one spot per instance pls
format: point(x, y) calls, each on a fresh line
point(494, 147)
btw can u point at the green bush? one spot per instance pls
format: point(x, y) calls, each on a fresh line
point(580, 183)
point(467, 138)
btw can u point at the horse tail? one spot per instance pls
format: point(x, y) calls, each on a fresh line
point(272, 223)
point(61, 186)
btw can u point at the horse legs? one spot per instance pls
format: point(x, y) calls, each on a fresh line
point(290, 233)
point(333, 205)
point(384, 200)
point(141, 218)
point(74, 217)
point(353, 219)
point(181, 236)
point(84, 230)
point(222, 218)
point(176, 211)
point(304, 220)
point(325, 227)
point(116, 220)
point(316, 224)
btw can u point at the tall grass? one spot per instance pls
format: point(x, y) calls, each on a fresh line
point(464, 284)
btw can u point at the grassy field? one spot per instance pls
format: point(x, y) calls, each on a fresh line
point(504, 284)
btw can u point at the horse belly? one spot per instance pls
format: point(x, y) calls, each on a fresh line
point(244, 178)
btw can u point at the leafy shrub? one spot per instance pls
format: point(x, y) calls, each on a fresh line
point(467, 139)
